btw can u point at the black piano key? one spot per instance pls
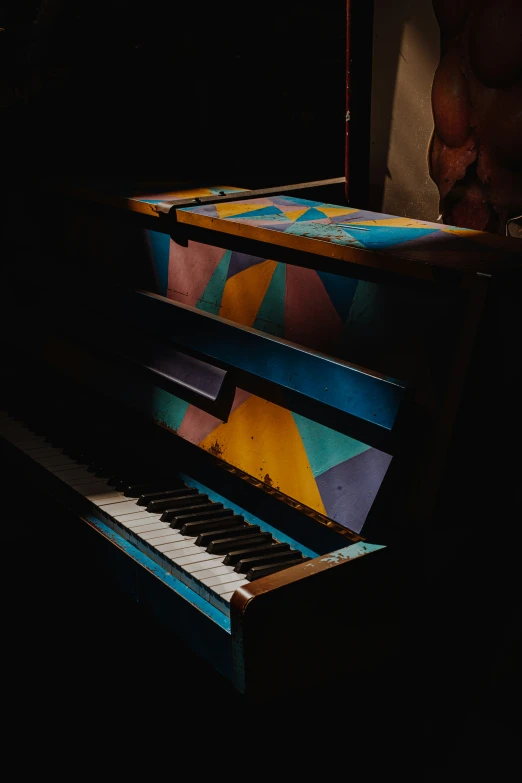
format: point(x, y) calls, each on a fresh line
point(225, 545)
point(147, 498)
point(157, 506)
point(232, 531)
point(271, 555)
point(194, 527)
point(177, 517)
point(259, 571)
point(134, 489)
point(237, 554)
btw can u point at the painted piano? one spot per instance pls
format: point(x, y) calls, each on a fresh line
point(293, 370)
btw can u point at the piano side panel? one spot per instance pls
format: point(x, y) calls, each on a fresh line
point(326, 619)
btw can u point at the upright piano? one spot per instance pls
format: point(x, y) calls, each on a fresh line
point(247, 399)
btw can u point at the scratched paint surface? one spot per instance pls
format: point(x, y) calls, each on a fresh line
point(406, 237)
point(328, 471)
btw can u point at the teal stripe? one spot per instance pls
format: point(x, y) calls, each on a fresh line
point(166, 409)
point(181, 589)
point(325, 447)
point(210, 300)
point(271, 315)
point(160, 247)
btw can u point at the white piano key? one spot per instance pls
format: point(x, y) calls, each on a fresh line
point(54, 461)
point(68, 474)
point(217, 570)
point(166, 548)
point(82, 482)
point(105, 498)
point(228, 596)
point(189, 559)
point(91, 487)
point(125, 507)
point(159, 541)
point(214, 581)
point(223, 589)
point(201, 565)
point(32, 452)
point(176, 545)
point(155, 527)
point(27, 441)
point(136, 520)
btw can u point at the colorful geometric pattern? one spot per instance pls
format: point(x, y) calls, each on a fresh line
point(415, 239)
point(317, 466)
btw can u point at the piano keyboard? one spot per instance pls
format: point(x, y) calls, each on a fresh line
point(204, 544)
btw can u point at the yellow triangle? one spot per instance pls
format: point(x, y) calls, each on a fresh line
point(296, 213)
point(336, 211)
point(244, 292)
point(229, 209)
point(263, 440)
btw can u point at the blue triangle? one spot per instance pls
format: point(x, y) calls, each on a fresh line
point(383, 237)
point(311, 214)
point(324, 447)
point(257, 213)
point(341, 291)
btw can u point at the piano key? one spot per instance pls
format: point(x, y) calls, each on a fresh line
point(135, 490)
point(224, 579)
point(224, 545)
point(177, 517)
point(180, 492)
point(235, 531)
point(217, 570)
point(163, 540)
point(266, 549)
point(54, 461)
point(136, 520)
point(82, 485)
point(200, 557)
point(203, 565)
point(33, 451)
point(105, 498)
point(125, 507)
point(153, 532)
point(227, 587)
point(175, 545)
point(179, 502)
point(195, 527)
point(259, 571)
point(72, 473)
point(151, 527)
point(170, 547)
point(245, 564)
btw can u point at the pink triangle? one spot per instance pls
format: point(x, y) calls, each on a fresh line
point(190, 269)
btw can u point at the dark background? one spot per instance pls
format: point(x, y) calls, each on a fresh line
point(240, 93)
point(107, 88)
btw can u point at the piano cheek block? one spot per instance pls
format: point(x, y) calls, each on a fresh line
point(310, 630)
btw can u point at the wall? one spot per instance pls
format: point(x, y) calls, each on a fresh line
point(405, 57)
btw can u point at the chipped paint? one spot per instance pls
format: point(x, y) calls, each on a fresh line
point(350, 552)
point(164, 576)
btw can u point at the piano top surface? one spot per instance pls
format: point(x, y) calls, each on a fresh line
point(349, 234)
point(333, 233)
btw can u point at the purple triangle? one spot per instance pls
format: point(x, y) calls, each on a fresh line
point(349, 489)
point(241, 261)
